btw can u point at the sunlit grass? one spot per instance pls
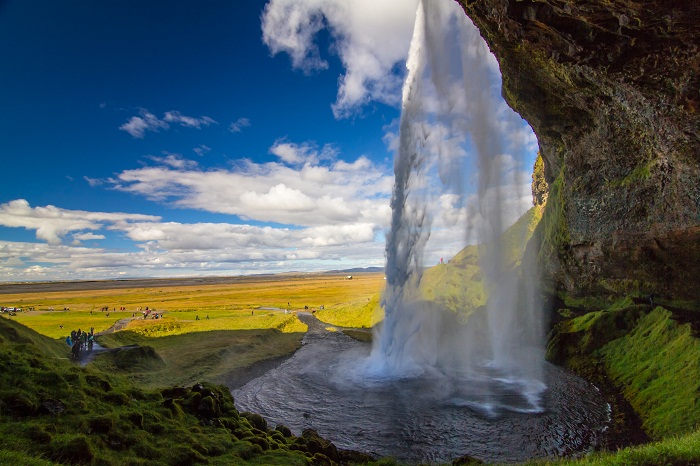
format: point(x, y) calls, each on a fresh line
point(49, 323)
point(364, 313)
point(228, 306)
point(282, 292)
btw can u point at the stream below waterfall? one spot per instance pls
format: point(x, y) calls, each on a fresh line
point(434, 418)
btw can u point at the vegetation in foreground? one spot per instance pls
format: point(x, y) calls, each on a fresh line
point(55, 412)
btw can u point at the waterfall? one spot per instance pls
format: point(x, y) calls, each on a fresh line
point(451, 113)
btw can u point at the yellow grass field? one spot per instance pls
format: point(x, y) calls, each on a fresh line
point(249, 303)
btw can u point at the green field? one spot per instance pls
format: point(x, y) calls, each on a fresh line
point(229, 307)
point(214, 333)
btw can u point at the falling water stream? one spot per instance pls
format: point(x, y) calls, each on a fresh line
point(436, 385)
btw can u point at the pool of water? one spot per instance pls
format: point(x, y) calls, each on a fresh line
point(431, 418)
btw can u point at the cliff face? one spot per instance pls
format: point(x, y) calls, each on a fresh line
point(612, 90)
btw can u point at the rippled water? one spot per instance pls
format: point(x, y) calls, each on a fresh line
point(432, 418)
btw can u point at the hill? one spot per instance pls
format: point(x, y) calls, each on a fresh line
point(54, 412)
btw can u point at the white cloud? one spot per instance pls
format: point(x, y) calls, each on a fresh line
point(87, 236)
point(147, 121)
point(371, 38)
point(138, 125)
point(176, 161)
point(201, 150)
point(52, 223)
point(309, 153)
point(93, 181)
point(310, 189)
point(238, 125)
point(174, 116)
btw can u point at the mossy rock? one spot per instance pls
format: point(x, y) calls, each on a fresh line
point(138, 359)
point(246, 450)
point(284, 430)
point(317, 444)
point(255, 420)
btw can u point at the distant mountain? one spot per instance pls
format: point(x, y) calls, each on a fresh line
point(359, 270)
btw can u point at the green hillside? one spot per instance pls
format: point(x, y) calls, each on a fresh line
point(458, 284)
point(53, 411)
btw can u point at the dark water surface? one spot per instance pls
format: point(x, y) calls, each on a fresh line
point(434, 418)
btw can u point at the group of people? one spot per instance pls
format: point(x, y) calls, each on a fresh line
point(79, 340)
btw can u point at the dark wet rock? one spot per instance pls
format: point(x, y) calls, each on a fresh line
point(612, 91)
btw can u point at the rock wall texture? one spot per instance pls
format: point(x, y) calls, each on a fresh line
point(612, 90)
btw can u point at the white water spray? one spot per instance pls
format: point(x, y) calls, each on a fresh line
point(448, 94)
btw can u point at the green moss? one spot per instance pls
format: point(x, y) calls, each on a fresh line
point(654, 360)
point(658, 364)
point(556, 236)
point(640, 173)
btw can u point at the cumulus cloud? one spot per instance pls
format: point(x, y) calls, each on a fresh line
point(238, 125)
point(52, 223)
point(308, 187)
point(309, 153)
point(371, 38)
point(147, 121)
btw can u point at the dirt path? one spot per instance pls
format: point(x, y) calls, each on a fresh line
point(118, 325)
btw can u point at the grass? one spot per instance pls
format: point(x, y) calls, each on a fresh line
point(216, 333)
point(677, 450)
point(229, 306)
point(653, 359)
point(218, 356)
point(294, 293)
point(658, 364)
point(459, 284)
point(364, 313)
point(55, 412)
point(49, 323)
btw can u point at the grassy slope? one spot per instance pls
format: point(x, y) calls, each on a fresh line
point(458, 285)
point(52, 411)
point(210, 356)
point(359, 314)
point(654, 360)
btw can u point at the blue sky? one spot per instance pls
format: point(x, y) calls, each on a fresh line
point(201, 138)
